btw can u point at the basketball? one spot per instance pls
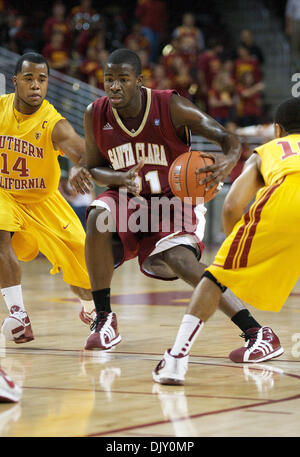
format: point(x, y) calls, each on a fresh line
point(184, 181)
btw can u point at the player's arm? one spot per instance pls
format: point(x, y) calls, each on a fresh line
point(97, 166)
point(241, 193)
point(72, 145)
point(184, 112)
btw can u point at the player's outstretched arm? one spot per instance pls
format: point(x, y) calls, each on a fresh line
point(241, 193)
point(72, 145)
point(184, 112)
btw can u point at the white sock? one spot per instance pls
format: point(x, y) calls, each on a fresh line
point(188, 331)
point(13, 296)
point(88, 305)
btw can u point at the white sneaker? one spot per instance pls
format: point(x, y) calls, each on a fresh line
point(17, 327)
point(171, 369)
point(9, 391)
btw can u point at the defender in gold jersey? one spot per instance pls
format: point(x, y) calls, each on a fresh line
point(34, 217)
point(259, 260)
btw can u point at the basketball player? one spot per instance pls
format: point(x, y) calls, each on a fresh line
point(132, 136)
point(259, 260)
point(34, 217)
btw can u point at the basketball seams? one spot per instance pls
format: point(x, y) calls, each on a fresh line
point(186, 174)
point(185, 182)
point(205, 191)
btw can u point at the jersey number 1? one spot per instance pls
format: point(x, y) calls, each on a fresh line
point(287, 149)
point(153, 180)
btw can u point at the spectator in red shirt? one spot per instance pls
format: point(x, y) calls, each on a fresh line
point(209, 63)
point(160, 80)
point(153, 15)
point(188, 28)
point(96, 77)
point(247, 40)
point(250, 100)
point(57, 22)
point(89, 65)
point(136, 35)
point(57, 54)
point(221, 98)
point(246, 63)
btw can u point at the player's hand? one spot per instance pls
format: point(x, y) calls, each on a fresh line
point(130, 178)
point(220, 169)
point(80, 179)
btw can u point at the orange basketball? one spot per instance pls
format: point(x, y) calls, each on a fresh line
point(183, 180)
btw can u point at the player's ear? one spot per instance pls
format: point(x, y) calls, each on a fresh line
point(140, 80)
point(279, 131)
point(15, 81)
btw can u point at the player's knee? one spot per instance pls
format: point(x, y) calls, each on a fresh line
point(179, 255)
point(99, 223)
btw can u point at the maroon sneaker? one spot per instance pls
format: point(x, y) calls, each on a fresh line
point(261, 344)
point(17, 327)
point(104, 332)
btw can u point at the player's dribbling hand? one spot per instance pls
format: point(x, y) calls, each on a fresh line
point(130, 180)
point(220, 169)
point(80, 179)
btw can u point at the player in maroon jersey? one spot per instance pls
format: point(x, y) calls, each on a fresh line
point(132, 136)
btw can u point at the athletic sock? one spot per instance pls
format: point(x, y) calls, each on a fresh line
point(244, 320)
point(13, 296)
point(188, 331)
point(102, 300)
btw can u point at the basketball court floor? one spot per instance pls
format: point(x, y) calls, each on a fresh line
point(69, 392)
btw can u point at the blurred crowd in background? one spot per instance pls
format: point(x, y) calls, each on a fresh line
point(222, 76)
point(189, 50)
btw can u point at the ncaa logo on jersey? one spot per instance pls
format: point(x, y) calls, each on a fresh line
point(37, 135)
point(157, 122)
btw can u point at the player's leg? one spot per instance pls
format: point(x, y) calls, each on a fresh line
point(100, 263)
point(16, 327)
point(184, 263)
point(204, 302)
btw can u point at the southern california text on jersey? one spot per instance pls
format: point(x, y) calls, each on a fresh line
point(29, 169)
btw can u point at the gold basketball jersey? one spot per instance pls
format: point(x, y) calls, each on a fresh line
point(29, 169)
point(279, 157)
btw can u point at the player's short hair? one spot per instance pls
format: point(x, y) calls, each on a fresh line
point(124, 55)
point(33, 57)
point(287, 115)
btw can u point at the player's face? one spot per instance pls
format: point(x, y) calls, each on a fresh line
point(31, 84)
point(121, 85)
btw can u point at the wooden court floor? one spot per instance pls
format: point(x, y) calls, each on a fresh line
point(69, 392)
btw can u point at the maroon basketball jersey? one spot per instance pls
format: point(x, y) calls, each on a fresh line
point(155, 141)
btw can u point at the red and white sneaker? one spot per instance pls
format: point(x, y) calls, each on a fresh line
point(105, 332)
point(17, 327)
point(9, 391)
point(171, 370)
point(261, 344)
point(86, 316)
